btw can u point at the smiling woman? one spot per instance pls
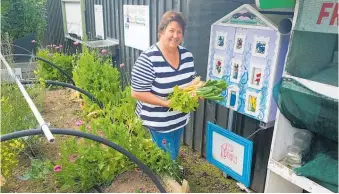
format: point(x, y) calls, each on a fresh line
point(154, 75)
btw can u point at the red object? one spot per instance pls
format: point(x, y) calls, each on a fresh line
point(219, 63)
point(164, 141)
point(79, 123)
point(104, 51)
point(257, 80)
point(334, 15)
point(57, 168)
point(258, 75)
point(75, 43)
point(323, 13)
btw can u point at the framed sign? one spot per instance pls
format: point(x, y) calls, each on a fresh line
point(229, 152)
point(99, 21)
point(218, 66)
point(236, 66)
point(220, 40)
point(239, 43)
point(232, 97)
point(256, 75)
point(73, 18)
point(260, 48)
point(252, 103)
point(137, 26)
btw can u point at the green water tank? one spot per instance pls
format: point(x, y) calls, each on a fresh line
point(275, 4)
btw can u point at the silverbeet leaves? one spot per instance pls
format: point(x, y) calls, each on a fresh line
point(187, 99)
point(183, 101)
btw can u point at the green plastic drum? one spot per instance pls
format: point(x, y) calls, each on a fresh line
point(275, 4)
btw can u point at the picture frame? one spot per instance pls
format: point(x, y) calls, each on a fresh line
point(260, 46)
point(252, 103)
point(236, 70)
point(239, 43)
point(256, 76)
point(233, 97)
point(229, 152)
point(218, 66)
point(220, 40)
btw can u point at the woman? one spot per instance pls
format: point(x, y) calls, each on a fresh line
point(154, 75)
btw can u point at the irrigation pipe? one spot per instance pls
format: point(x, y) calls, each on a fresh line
point(17, 47)
point(43, 124)
point(49, 63)
point(56, 83)
point(101, 140)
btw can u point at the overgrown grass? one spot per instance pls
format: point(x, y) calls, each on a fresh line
point(202, 176)
point(15, 112)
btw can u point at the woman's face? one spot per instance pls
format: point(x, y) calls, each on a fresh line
point(172, 35)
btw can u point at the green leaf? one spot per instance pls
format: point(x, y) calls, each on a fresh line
point(101, 165)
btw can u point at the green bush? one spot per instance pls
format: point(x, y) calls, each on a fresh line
point(98, 77)
point(47, 72)
point(86, 163)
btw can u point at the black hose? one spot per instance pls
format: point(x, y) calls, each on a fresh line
point(17, 47)
point(76, 133)
point(49, 63)
point(96, 187)
point(56, 83)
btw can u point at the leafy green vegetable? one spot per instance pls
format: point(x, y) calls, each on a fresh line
point(183, 101)
point(186, 99)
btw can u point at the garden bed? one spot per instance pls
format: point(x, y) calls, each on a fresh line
point(62, 112)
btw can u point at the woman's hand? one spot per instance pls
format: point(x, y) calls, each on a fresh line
point(150, 98)
point(193, 94)
point(166, 103)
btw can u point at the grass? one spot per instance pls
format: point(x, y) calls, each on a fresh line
point(202, 176)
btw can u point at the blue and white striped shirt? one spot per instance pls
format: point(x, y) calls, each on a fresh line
point(152, 73)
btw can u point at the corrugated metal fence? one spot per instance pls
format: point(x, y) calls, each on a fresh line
point(200, 14)
point(113, 21)
point(54, 33)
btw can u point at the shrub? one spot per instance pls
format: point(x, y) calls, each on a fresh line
point(86, 163)
point(46, 72)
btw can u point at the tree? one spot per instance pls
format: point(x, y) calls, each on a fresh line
point(22, 17)
point(13, 20)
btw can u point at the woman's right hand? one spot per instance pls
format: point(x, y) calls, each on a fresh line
point(167, 103)
point(150, 98)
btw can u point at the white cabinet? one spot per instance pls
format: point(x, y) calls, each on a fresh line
point(311, 62)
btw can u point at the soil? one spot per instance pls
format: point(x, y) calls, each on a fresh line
point(132, 182)
point(61, 111)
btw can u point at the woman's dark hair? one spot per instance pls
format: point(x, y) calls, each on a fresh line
point(171, 16)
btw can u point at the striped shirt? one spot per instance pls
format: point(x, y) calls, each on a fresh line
point(152, 73)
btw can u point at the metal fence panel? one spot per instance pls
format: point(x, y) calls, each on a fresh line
point(54, 33)
point(200, 14)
